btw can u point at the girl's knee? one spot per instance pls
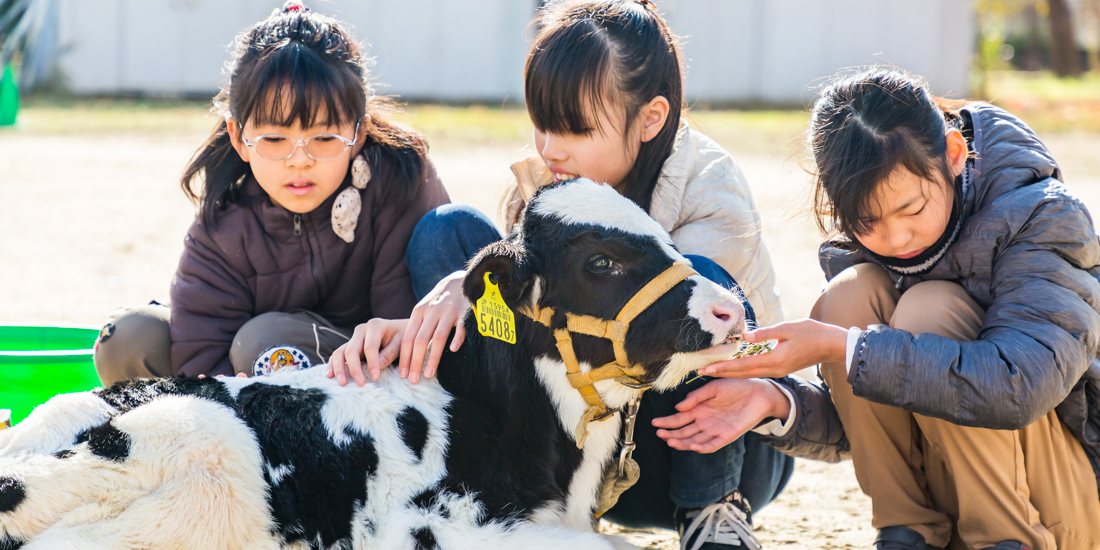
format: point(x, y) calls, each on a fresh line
point(454, 220)
point(938, 307)
point(134, 343)
point(255, 337)
point(857, 288)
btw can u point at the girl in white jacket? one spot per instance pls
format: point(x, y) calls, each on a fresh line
point(604, 89)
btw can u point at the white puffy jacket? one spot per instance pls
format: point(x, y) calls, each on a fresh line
point(704, 202)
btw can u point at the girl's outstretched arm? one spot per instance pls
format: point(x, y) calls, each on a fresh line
point(802, 344)
point(721, 411)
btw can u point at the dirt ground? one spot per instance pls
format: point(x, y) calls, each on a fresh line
point(95, 221)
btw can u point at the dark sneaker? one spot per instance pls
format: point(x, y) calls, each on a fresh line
point(901, 538)
point(724, 525)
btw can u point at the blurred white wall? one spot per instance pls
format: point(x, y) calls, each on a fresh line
point(778, 51)
point(770, 51)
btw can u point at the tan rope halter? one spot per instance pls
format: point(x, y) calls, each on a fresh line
point(615, 330)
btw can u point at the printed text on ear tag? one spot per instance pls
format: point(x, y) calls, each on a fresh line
point(494, 318)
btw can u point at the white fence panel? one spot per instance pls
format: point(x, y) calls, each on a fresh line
point(737, 50)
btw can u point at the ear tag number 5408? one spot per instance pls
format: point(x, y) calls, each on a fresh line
point(494, 318)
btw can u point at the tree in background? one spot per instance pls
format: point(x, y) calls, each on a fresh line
point(1037, 34)
point(1064, 58)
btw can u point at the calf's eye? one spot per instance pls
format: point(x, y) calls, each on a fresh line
point(600, 264)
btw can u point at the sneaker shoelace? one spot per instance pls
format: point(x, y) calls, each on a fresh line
point(720, 523)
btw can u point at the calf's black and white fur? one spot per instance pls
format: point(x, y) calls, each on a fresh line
point(482, 457)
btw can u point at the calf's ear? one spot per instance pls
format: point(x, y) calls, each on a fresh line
point(507, 261)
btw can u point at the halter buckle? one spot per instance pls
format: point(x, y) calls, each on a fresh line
point(634, 385)
point(630, 415)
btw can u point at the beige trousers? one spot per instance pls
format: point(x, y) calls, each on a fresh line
point(138, 345)
point(969, 487)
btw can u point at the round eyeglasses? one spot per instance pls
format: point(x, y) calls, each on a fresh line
point(318, 147)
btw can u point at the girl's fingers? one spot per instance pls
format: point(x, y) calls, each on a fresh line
point(460, 335)
point(735, 368)
point(695, 443)
point(439, 343)
point(386, 356)
point(761, 335)
point(421, 346)
point(408, 342)
point(707, 445)
point(705, 393)
point(336, 363)
point(372, 341)
point(691, 430)
point(674, 421)
point(352, 351)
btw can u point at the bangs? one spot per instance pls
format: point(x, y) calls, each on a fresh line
point(857, 176)
point(290, 83)
point(566, 78)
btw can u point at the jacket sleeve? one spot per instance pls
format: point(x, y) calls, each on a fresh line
point(817, 433)
point(836, 255)
point(725, 227)
point(391, 286)
point(1040, 333)
point(210, 303)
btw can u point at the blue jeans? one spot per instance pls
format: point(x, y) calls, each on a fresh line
point(445, 240)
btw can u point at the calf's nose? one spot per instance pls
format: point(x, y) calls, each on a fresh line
point(730, 316)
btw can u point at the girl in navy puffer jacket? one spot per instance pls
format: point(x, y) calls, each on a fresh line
point(959, 333)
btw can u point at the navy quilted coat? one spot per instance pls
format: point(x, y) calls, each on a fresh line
point(1028, 254)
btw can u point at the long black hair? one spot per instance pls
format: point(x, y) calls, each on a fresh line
point(299, 66)
point(592, 53)
point(863, 127)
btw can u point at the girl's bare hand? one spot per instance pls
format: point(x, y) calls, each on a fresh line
point(801, 344)
point(378, 341)
point(430, 324)
point(718, 413)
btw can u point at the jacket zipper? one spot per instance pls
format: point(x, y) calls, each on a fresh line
point(312, 261)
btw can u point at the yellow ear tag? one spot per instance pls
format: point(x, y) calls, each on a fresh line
point(494, 318)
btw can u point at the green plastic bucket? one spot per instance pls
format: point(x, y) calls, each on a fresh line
point(9, 96)
point(37, 363)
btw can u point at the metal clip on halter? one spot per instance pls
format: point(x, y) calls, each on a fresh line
point(631, 415)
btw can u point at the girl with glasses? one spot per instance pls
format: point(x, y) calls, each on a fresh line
point(307, 196)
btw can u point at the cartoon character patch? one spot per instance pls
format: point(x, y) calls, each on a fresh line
point(278, 358)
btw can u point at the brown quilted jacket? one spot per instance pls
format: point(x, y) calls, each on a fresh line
point(262, 258)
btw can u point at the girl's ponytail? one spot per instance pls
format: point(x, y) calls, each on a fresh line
point(222, 170)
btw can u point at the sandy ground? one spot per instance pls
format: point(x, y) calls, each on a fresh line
point(93, 222)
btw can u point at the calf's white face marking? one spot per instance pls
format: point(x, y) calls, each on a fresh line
point(584, 202)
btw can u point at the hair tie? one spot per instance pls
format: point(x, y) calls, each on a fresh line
point(294, 6)
point(645, 3)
